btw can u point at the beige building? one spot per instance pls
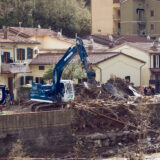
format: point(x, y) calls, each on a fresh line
point(126, 17)
point(49, 40)
point(15, 55)
point(106, 64)
point(105, 16)
point(150, 71)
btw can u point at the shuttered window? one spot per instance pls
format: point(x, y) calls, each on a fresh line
point(5, 57)
point(20, 54)
point(22, 81)
point(29, 53)
point(29, 79)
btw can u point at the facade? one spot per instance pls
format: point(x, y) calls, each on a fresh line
point(105, 16)
point(126, 17)
point(105, 65)
point(49, 40)
point(15, 55)
point(150, 71)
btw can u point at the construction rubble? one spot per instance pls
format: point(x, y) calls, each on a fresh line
point(118, 119)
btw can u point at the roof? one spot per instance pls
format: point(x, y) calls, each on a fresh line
point(29, 32)
point(88, 43)
point(94, 57)
point(119, 39)
point(12, 38)
point(145, 47)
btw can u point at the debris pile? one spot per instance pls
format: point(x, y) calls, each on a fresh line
point(109, 111)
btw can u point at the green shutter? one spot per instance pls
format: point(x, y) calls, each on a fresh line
point(23, 54)
point(2, 57)
point(29, 53)
point(18, 54)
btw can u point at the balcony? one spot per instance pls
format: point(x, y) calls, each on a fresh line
point(154, 81)
point(141, 21)
point(13, 68)
point(116, 1)
point(155, 70)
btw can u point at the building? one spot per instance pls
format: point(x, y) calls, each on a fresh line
point(105, 16)
point(126, 17)
point(148, 52)
point(105, 64)
point(16, 53)
point(50, 41)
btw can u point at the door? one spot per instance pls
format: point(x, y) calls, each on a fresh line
point(10, 85)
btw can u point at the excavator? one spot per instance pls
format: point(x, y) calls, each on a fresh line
point(2, 96)
point(55, 95)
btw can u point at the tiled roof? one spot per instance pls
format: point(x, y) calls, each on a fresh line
point(147, 47)
point(119, 39)
point(12, 38)
point(50, 59)
point(88, 44)
point(29, 32)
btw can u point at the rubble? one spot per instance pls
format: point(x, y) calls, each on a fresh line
point(116, 118)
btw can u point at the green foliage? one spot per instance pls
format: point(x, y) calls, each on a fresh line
point(72, 71)
point(49, 74)
point(72, 16)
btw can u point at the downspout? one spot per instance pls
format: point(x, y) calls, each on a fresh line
point(100, 73)
point(141, 74)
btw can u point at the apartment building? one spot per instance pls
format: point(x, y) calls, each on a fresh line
point(105, 16)
point(126, 17)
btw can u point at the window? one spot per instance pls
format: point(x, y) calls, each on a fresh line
point(22, 81)
point(6, 57)
point(20, 54)
point(152, 13)
point(29, 79)
point(29, 53)
point(152, 26)
point(39, 80)
point(41, 67)
point(156, 61)
point(128, 78)
point(119, 25)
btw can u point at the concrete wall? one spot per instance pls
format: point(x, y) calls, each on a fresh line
point(40, 133)
point(120, 66)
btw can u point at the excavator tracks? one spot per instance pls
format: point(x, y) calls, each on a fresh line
point(42, 106)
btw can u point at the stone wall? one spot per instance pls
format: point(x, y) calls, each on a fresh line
point(41, 134)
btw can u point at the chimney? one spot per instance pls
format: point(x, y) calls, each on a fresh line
point(5, 32)
point(20, 24)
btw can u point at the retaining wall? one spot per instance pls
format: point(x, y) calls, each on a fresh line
point(40, 133)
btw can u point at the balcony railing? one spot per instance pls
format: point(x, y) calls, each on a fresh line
point(141, 21)
point(156, 70)
point(154, 81)
point(13, 68)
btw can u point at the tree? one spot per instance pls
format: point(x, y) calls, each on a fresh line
point(72, 71)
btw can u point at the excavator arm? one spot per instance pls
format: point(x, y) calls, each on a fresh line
point(68, 56)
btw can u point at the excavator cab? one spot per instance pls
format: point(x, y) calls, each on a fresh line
point(2, 94)
point(68, 90)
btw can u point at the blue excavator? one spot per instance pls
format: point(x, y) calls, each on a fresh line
point(2, 96)
point(45, 97)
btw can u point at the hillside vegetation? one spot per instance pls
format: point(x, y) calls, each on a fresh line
point(70, 16)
